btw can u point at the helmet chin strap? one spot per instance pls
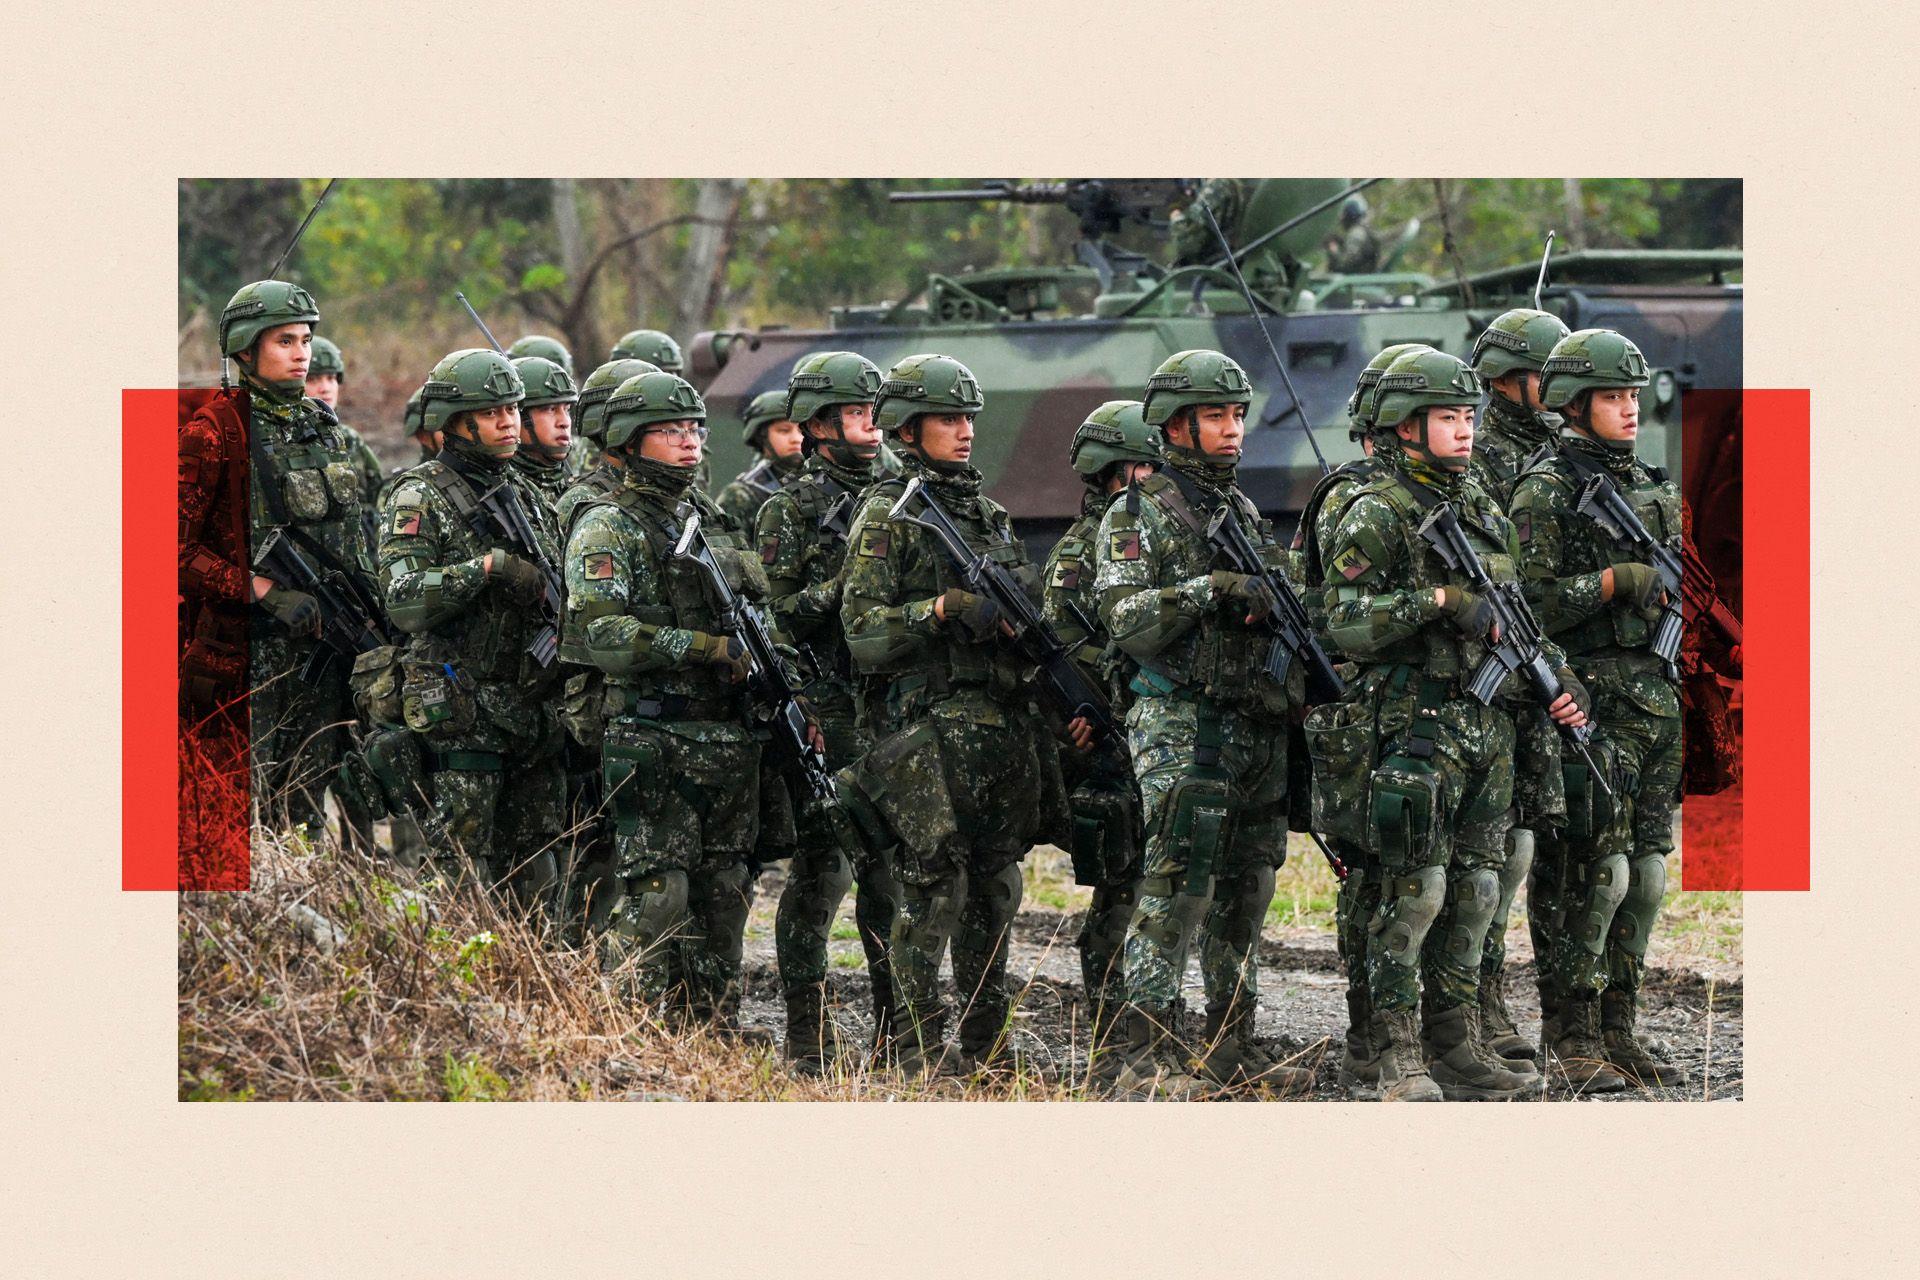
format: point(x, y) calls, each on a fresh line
point(1425, 451)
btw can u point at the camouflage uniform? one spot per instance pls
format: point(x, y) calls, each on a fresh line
point(479, 702)
point(955, 768)
point(747, 492)
point(1208, 739)
point(680, 764)
point(1615, 864)
point(1229, 199)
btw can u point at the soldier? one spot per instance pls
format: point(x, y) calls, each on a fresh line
point(1436, 812)
point(1602, 601)
point(1355, 250)
point(538, 344)
point(474, 694)
point(1359, 894)
point(1270, 270)
point(802, 538)
point(680, 764)
point(776, 438)
point(265, 449)
point(1514, 428)
point(1207, 733)
point(591, 412)
point(955, 767)
point(546, 427)
point(653, 346)
point(326, 374)
point(1113, 448)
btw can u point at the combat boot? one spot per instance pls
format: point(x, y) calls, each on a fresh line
point(1461, 1064)
point(1403, 1068)
point(1106, 1040)
point(883, 1025)
point(1579, 1058)
point(1234, 1059)
point(1360, 1063)
point(919, 1044)
point(1549, 1017)
point(1156, 1065)
point(1626, 1053)
point(810, 1034)
point(1496, 1022)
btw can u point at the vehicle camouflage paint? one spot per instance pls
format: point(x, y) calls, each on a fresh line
point(1043, 370)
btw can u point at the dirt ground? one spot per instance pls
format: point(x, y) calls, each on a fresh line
point(1696, 1010)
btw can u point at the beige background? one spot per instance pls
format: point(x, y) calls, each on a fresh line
point(106, 1174)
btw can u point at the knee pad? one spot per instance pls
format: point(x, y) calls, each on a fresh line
point(1410, 905)
point(1605, 888)
point(929, 912)
point(1520, 846)
point(1245, 902)
point(1195, 829)
point(653, 907)
point(1646, 886)
point(1476, 896)
point(539, 874)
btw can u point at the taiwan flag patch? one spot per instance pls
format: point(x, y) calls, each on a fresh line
point(1124, 545)
point(597, 564)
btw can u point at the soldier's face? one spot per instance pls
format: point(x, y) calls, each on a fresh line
point(1521, 387)
point(282, 353)
point(1449, 432)
point(497, 428)
point(1217, 430)
point(675, 443)
point(783, 439)
point(324, 387)
point(552, 425)
point(1614, 414)
point(946, 437)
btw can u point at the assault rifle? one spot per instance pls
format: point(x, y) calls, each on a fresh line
point(1703, 596)
point(349, 621)
point(498, 511)
point(1520, 647)
point(1293, 631)
point(1067, 686)
point(1601, 502)
point(793, 726)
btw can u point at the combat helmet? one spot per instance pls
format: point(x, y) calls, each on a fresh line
point(469, 379)
point(1586, 360)
point(547, 381)
point(645, 399)
point(925, 384)
point(827, 378)
point(1190, 378)
point(599, 388)
point(762, 412)
point(1423, 379)
point(326, 358)
point(1517, 341)
point(413, 418)
point(653, 346)
point(1115, 432)
point(539, 344)
point(1352, 209)
point(1360, 403)
point(260, 306)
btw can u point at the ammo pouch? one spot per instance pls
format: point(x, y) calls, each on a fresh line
point(213, 667)
point(1405, 803)
point(906, 782)
point(375, 682)
point(633, 775)
point(1101, 834)
point(583, 710)
point(435, 697)
point(1341, 738)
point(1590, 812)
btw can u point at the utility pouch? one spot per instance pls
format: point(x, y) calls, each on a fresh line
point(582, 708)
point(1103, 844)
point(376, 685)
point(1590, 811)
point(1406, 809)
point(633, 775)
point(1340, 740)
point(436, 698)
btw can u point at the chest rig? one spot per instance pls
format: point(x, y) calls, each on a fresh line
point(1586, 547)
point(302, 477)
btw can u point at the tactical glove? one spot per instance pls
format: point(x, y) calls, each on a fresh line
point(1571, 683)
point(724, 652)
point(1244, 590)
point(1637, 586)
point(520, 579)
point(1471, 613)
point(296, 610)
point(977, 617)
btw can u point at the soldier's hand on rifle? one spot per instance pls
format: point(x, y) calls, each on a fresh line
point(1637, 586)
point(1080, 733)
point(1473, 614)
point(519, 578)
point(1228, 585)
point(297, 611)
point(724, 652)
point(977, 617)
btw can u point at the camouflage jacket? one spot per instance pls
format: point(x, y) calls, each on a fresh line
point(367, 464)
point(633, 610)
point(1318, 519)
point(1070, 606)
point(909, 659)
point(437, 590)
point(1505, 439)
point(582, 458)
point(1381, 575)
point(802, 536)
point(1354, 251)
point(1157, 600)
point(743, 496)
point(1563, 553)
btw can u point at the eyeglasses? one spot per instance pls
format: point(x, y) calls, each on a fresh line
point(680, 434)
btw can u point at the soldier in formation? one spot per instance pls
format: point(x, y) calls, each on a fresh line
point(776, 439)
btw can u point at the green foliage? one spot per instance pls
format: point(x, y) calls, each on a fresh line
point(469, 1079)
point(210, 1087)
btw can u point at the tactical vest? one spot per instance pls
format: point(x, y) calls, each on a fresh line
point(1070, 575)
point(826, 504)
point(1586, 547)
point(1220, 656)
point(688, 603)
point(1325, 505)
point(1439, 648)
point(1508, 442)
point(302, 476)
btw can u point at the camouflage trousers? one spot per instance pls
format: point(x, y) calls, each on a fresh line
point(496, 818)
point(1441, 885)
point(822, 871)
point(1354, 905)
point(1107, 843)
point(960, 789)
point(297, 728)
point(1540, 807)
point(1613, 880)
point(685, 801)
point(1213, 794)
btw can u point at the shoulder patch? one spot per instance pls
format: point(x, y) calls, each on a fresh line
point(1523, 525)
point(1123, 544)
point(597, 564)
point(769, 550)
point(875, 542)
point(1066, 574)
point(406, 521)
point(1351, 563)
